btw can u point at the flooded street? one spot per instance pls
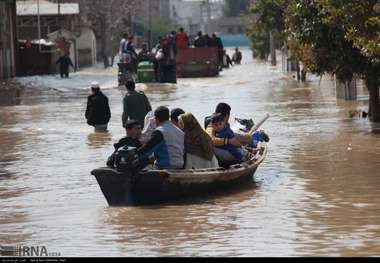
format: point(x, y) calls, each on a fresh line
point(317, 192)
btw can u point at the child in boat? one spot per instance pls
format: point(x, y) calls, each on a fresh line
point(223, 130)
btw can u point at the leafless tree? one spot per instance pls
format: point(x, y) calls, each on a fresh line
point(109, 19)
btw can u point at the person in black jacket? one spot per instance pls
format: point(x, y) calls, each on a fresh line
point(217, 42)
point(98, 112)
point(208, 40)
point(226, 62)
point(133, 134)
point(200, 40)
point(64, 63)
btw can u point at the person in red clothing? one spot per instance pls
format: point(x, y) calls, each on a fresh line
point(181, 39)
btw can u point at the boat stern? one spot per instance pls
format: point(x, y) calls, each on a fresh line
point(116, 187)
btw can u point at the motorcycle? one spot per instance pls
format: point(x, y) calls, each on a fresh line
point(127, 69)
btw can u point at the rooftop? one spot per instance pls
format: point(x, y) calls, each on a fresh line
point(30, 8)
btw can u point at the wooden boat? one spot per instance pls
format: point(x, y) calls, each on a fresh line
point(160, 186)
point(197, 62)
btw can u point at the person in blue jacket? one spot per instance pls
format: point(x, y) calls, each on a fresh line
point(222, 130)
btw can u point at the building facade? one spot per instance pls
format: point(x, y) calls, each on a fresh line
point(195, 15)
point(232, 25)
point(59, 23)
point(44, 16)
point(7, 39)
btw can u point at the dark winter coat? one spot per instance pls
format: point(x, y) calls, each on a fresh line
point(64, 63)
point(200, 41)
point(136, 107)
point(213, 42)
point(219, 43)
point(98, 111)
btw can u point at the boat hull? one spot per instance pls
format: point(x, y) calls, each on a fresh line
point(130, 189)
point(149, 187)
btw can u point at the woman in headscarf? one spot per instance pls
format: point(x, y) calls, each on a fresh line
point(198, 145)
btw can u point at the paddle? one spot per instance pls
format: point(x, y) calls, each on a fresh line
point(257, 126)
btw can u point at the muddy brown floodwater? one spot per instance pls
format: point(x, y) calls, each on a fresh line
point(317, 192)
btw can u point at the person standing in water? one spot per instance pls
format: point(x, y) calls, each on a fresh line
point(98, 112)
point(64, 63)
point(135, 105)
point(237, 57)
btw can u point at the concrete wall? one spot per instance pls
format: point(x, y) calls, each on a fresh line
point(231, 25)
point(86, 46)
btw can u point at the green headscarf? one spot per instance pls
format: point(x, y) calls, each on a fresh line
point(197, 141)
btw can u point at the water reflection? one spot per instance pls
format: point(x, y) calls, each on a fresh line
point(13, 215)
point(9, 97)
point(166, 230)
point(340, 169)
point(99, 139)
point(11, 142)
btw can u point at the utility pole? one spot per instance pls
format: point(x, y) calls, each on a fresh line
point(149, 25)
point(59, 8)
point(59, 17)
point(208, 16)
point(201, 16)
point(273, 59)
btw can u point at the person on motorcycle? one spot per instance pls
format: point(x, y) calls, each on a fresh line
point(129, 54)
point(130, 47)
point(123, 41)
point(168, 60)
point(144, 54)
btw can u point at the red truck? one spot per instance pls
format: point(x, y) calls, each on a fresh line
point(197, 62)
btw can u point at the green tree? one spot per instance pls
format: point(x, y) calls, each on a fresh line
point(260, 41)
point(361, 21)
point(340, 35)
point(269, 17)
point(160, 27)
point(109, 20)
